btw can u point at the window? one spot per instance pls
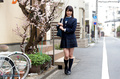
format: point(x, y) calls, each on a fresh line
point(86, 6)
point(113, 24)
point(118, 12)
point(1, 0)
point(92, 15)
point(93, 12)
point(106, 16)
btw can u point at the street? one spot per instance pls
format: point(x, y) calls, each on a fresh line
point(100, 61)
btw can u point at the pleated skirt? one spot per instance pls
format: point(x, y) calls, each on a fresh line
point(68, 43)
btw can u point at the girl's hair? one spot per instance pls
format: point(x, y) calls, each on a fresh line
point(69, 8)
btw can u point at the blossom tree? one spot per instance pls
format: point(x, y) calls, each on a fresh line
point(39, 16)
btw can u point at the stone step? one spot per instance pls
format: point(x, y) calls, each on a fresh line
point(56, 37)
point(45, 48)
point(58, 54)
point(82, 43)
point(60, 62)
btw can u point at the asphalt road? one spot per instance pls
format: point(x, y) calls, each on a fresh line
point(100, 61)
point(113, 53)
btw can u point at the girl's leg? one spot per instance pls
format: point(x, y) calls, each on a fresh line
point(66, 57)
point(71, 50)
point(66, 53)
point(70, 59)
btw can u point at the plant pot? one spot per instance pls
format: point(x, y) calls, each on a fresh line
point(35, 69)
point(46, 65)
point(118, 34)
point(50, 63)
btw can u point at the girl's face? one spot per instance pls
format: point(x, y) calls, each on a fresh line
point(69, 13)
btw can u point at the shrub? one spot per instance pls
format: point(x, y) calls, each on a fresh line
point(46, 57)
point(118, 29)
point(36, 59)
point(57, 46)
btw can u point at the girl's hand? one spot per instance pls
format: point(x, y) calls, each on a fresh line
point(60, 24)
point(61, 27)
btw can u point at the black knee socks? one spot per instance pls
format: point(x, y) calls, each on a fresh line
point(70, 64)
point(65, 62)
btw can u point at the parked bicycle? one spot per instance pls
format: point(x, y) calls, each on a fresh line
point(14, 64)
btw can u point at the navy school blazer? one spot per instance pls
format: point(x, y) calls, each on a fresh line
point(70, 27)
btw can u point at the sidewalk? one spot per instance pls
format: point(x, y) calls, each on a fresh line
point(54, 69)
point(88, 66)
point(60, 73)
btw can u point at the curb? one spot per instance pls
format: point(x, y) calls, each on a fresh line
point(44, 75)
point(92, 44)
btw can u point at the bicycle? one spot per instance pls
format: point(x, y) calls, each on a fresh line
point(18, 63)
point(7, 68)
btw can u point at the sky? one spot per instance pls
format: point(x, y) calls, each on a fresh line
point(105, 3)
point(102, 6)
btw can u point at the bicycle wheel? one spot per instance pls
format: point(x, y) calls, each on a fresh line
point(22, 64)
point(7, 69)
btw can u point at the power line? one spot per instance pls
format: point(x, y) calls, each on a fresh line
point(109, 1)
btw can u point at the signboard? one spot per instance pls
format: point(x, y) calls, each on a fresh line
point(14, 1)
point(94, 17)
point(95, 23)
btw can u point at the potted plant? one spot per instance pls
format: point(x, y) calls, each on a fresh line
point(47, 63)
point(37, 61)
point(118, 31)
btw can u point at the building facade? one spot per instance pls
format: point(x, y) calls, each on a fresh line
point(11, 15)
point(90, 12)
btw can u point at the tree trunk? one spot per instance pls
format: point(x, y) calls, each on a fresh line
point(41, 35)
point(29, 47)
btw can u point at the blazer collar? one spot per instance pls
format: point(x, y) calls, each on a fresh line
point(68, 20)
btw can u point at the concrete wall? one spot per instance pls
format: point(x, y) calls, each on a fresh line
point(9, 14)
point(8, 19)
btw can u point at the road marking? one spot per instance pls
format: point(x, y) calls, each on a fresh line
point(116, 38)
point(105, 73)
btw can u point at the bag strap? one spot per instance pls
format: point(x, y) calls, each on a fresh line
point(61, 20)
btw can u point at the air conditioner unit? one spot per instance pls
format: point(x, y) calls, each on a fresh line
point(1, 1)
point(62, 1)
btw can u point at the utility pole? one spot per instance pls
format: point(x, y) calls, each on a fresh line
point(96, 26)
point(114, 20)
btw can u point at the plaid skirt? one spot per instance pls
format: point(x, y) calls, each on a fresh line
point(68, 43)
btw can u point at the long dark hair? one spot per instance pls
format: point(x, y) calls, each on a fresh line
point(69, 8)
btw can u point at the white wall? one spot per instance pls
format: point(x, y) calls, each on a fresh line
point(108, 28)
point(8, 21)
point(76, 4)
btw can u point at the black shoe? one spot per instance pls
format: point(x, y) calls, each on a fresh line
point(69, 73)
point(66, 71)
